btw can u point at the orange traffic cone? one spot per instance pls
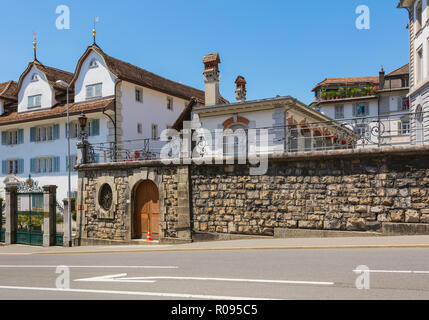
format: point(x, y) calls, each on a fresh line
point(149, 238)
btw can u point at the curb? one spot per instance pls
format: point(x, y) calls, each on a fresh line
point(393, 246)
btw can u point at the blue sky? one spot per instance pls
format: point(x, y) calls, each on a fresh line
point(281, 47)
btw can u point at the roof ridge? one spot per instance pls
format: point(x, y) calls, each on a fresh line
point(61, 70)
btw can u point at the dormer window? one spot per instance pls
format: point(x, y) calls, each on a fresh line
point(35, 101)
point(93, 91)
point(34, 77)
point(93, 63)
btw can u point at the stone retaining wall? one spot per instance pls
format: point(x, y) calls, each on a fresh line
point(352, 190)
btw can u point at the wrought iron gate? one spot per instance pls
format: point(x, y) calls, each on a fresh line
point(30, 218)
point(30, 213)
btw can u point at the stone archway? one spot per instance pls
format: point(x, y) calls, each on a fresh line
point(146, 210)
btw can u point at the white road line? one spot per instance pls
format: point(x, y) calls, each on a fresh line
point(135, 293)
point(95, 267)
point(393, 271)
point(113, 278)
point(120, 278)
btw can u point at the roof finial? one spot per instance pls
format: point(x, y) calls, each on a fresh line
point(94, 31)
point(35, 45)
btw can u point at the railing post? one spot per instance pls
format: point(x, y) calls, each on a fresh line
point(49, 215)
point(1, 214)
point(11, 210)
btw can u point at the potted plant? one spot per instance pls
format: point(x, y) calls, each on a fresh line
point(324, 94)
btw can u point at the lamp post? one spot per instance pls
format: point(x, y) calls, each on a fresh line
point(69, 219)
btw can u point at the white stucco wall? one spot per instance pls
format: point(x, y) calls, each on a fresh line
point(152, 110)
point(89, 76)
point(32, 88)
point(55, 148)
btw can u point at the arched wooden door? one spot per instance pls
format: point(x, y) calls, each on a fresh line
point(147, 209)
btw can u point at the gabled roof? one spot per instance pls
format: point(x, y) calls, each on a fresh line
point(51, 74)
point(9, 90)
point(131, 73)
point(57, 111)
point(404, 70)
point(348, 81)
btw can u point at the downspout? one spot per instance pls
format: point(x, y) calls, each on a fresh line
point(115, 123)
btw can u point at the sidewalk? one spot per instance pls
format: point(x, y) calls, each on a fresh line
point(251, 244)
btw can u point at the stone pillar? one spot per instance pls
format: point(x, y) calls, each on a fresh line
point(1, 214)
point(11, 209)
point(49, 215)
point(82, 152)
point(67, 237)
point(183, 226)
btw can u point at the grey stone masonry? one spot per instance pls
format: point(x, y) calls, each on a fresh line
point(11, 209)
point(49, 215)
point(352, 190)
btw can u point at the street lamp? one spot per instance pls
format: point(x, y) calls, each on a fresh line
point(83, 120)
point(69, 220)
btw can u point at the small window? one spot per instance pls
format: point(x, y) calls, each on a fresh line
point(154, 131)
point(139, 128)
point(419, 15)
point(405, 105)
point(93, 63)
point(44, 133)
point(12, 166)
point(404, 127)
point(360, 110)
point(35, 101)
point(94, 91)
point(34, 77)
point(339, 112)
point(139, 95)
point(170, 103)
point(360, 129)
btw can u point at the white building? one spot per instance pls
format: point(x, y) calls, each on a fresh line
point(376, 106)
point(291, 125)
point(418, 14)
point(106, 90)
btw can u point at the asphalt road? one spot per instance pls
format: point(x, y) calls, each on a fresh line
point(240, 274)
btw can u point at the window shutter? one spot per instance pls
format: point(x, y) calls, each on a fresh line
point(354, 110)
point(56, 131)
point(33, 134)
point(20, 166)
point(57, 164)
point(4, 138)
point(21, 136)
point(399, 128)
point(95, 127)
point(4, 166)
point(33, 165)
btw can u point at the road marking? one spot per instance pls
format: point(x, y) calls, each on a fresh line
point(95, 267)
point(113, 278)
point(393, 271)
point(120, 278)
point(135, 293)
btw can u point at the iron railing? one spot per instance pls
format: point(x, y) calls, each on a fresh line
point(392, 129)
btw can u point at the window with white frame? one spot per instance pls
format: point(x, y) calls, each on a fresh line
point(35, 101)
point(12, 166)
point(405, 104)
point(139, 95)
point(169, 103)
point(94, 91)
point(154, 131)
point(339, 111)
point(419, 66)
point(92, 128)
point(404, 127)
point(44, 133)
point(419, 15)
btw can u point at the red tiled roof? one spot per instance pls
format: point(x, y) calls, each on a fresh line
point(404, 70)
point(57, 111)
point(9, 90)
point(348, 81)
point(128, 72)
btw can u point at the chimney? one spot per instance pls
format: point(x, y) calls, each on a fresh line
point(240, 92)
point(211, 75)
point(381, 78)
